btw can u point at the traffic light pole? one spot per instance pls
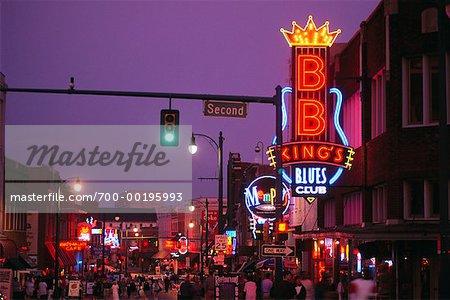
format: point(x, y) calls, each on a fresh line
point(279, 176)
point(275, 100)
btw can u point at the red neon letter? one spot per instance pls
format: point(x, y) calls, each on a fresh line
point(285, 154)
point(311, 119)
point(311, 76)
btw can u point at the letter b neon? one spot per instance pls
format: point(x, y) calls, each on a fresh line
point(311, 117)
point(311, 75)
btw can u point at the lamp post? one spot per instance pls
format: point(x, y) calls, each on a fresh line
point(76, 188)
point(219, 146)
point(192, 209)
point(258, 149)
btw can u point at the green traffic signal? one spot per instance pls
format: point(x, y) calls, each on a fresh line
point(169, 127)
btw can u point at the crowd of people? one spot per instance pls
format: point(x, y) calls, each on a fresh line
point(251, 286)
point(108, 286)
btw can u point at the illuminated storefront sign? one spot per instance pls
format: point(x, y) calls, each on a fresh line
point(84, 232)
point(184, 245)
point(73, 245)
point(231, 242)
point(112, 238)
point(315, 162)
point(260, 198)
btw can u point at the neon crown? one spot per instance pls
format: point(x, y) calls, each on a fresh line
point(310, 35)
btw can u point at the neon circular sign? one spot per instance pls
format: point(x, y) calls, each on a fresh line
point(260, 198)
point(183, 245)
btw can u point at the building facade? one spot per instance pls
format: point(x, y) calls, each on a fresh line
point(385, 211)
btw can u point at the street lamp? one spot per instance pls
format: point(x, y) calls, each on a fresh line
point(258, 149)
point(193, 149)
point(191, 224)
point(76, 187)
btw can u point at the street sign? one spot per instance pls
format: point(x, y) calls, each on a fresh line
point(220, 242)
point(277, 250)
point(224, 109)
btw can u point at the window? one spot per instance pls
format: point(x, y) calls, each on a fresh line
point(421, 199)
point(379, 204)
point(353, 208)
point(352, 120)
point(378, 104)
point(329, 212)
point(421, 90)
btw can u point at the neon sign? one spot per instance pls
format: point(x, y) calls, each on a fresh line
point(73, 245)
point(315, 162)
point(112, 238)
point(310, 35)
point(260, 198)
point(184, 245)
point(84, 232)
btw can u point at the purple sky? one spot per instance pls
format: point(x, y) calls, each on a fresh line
point(216, 47)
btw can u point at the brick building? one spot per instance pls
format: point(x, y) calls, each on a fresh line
point(385, 210)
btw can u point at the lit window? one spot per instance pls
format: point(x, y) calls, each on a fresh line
point(421, 90)
point(329, 211)
point(379, 204)
point(353, 208)
point(378, 104)
point(421, 199)
point(352, 120)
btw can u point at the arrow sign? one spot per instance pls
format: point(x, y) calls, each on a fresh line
point(277, 250)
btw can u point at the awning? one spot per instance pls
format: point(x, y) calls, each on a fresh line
point(16, 263)
point(64, 257)
point(161, 254)
point(248, 266)
point(28, 260)
point(264, 263)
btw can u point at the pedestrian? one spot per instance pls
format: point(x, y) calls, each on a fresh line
point(156, 288)
point(132, 289)
point(17, 289)
point(187, 290)
point(362, 288)
point(384, 282)
point(29, 288)
point(115, 291)
point(42, 290)
point(325, 288)
point(300, 289)
point(123, 288)
point(283, 289)
point(266, 286)
point(250, 288)
point(166, 283)
point(342, 287)
point(309, 286)
point(147, 289)
point(208, 286)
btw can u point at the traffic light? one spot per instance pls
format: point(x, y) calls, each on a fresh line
point(281, 231)
point(170, 120)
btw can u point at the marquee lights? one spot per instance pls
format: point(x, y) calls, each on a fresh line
point(310, 35)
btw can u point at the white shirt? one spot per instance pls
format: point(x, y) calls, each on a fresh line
point(250, 290)
point(266, 285)
point(309, 287)
point(361, 289)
